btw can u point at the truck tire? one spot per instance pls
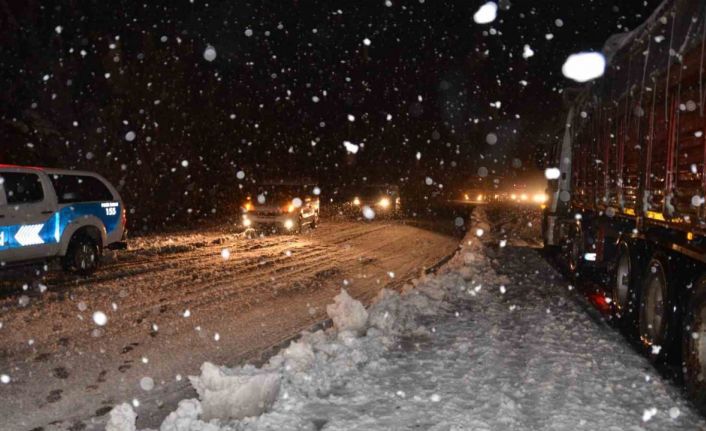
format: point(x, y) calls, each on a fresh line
point(656, 323)
point(572, 250)
point(694, 345)
point(82, 256)
point(625, 287)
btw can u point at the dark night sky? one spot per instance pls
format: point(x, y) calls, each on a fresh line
point(429, 67)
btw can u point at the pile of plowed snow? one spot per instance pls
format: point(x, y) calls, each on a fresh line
point(319, 365)
point(466, 349)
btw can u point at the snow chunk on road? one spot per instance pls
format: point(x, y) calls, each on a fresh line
point(299, 355)
point(122, 418)
point(235, 393)
point(347, 313)
point(186, 418)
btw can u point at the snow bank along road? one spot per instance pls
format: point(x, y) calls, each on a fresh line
point(494, 341)
point(175, 301)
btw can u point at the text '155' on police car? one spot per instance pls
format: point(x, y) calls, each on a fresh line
point(50, 214)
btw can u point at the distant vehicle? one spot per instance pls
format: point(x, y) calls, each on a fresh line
point(627, 187)
point(476, 196)
point(282, 206)
point(383, 199)
point(51, 213)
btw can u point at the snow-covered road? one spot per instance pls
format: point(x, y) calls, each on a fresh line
point(495, 341)
point(176, 300)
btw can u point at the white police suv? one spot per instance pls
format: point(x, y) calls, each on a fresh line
point(51, 213)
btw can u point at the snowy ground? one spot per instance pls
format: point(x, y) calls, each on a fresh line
point(176, 300)
point(494, 341)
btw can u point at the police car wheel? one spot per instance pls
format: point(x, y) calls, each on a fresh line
point(83, 256)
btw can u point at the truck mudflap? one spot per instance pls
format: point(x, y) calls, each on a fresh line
point(550, 237)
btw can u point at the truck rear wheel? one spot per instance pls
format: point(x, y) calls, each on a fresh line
point(82, 256)
point(694, 345)
point(655, 323)
point(625, 284)
point(572, 249)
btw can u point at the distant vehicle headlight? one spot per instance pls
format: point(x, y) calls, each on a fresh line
point(248, 206)
point(288, 224)
point(539, 198)
point(356, 201)
point(479, 197)
point(384, 203)
point(246, 221)
point(289, 208)
point(523, 197)
point(466, 197)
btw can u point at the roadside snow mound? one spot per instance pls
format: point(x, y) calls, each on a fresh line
point(234, 393)
point(122, 418)
point(185, 418)
point(318, 366)
point(493, 341)
point(347, 313)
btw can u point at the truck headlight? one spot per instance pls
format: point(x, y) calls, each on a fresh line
point(384, 203)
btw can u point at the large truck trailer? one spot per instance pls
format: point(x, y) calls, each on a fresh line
point(629, 197)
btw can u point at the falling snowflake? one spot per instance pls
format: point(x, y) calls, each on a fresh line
point(486, 14)
point(648, 414)
point(350, 147)
point(99, 318)
point(147, 383)
point(209, 54)
point(491, 138)
point(584, 66)
point(552, 173)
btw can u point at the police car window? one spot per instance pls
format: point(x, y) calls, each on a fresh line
point(21, 188)
point(79, 188)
